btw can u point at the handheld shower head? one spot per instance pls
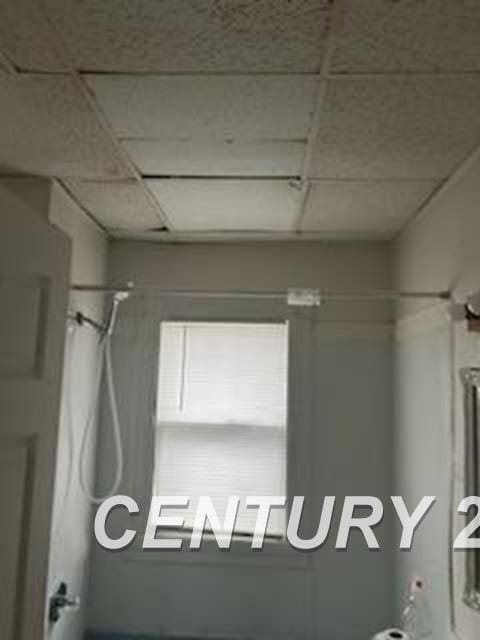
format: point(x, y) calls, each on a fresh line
point(118, 297)
point(121, 295)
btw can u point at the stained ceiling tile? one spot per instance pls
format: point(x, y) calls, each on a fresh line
point(47, 129)
point(412, 35)
point(216, 158)
point(192, 35)
point(245, 36)
point(185, 107)
point(363, 207)
point(402, 127)
point(117, 205)
point(227, 205)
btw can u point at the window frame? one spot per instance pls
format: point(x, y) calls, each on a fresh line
point(140, 323)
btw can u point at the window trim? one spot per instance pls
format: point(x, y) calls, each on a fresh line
point(139, 443)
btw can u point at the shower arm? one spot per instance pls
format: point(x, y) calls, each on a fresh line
point(105, 329)
point(81, 319)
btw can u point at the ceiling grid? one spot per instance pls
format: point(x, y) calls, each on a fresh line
point(121, 196)
point(259, 119)
point(333, 29)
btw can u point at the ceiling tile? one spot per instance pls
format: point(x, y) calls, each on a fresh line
point(402, 127)
point(245, 36)
point(431, 35)
point(182, 107)
point(5, 65)
point(227, 205)
point(25, 37)
point(216, 158)
point(47, 129)
point(363, 207)
point(192, 35)
point(117, 205)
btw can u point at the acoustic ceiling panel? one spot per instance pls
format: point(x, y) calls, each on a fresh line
point(192, 35)
point(227, 205)
point(412, 35)
point(117, 205)
point(365, 208)
point(248, 36)
point(403, 127)
point(215, 158)
point(26, 38)
point(48, 129)
point(219, 107)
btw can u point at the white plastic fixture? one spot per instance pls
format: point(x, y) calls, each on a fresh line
point(304, 298)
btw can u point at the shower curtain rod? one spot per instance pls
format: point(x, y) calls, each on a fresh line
point(323, 294)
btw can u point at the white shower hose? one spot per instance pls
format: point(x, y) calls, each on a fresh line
point(104, 359)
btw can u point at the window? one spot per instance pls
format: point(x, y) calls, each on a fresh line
point(222, 416)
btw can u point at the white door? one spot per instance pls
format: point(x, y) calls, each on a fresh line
point(34, 268)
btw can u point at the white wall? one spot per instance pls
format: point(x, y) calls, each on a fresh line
point(438, 251)
point(70, 550)
point(260, 266)
point(33, 192)
point(342, 429)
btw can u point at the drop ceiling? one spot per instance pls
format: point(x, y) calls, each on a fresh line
point(213, 119)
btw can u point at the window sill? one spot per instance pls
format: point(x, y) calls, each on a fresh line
point(275, 554)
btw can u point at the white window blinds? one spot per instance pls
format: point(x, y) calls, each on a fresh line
point(222, 415)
